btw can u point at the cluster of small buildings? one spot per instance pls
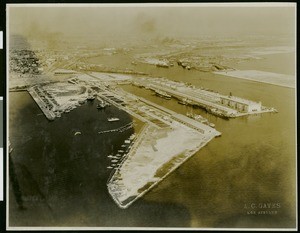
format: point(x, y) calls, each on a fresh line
point(24, 61)
point(187, 61)
point(203, 63)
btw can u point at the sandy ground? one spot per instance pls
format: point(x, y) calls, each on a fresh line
point(136, 173)
point(154, 151)
point(273, 50)
point(262, 76)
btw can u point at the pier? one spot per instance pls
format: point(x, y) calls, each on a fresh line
point(120, 129)
point(153, 154)
point(41, 103)
point(215, 103)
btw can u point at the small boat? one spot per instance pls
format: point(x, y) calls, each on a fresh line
point(109, 167)
point(77, 133)
point(163, 94)
point(102, 105)
point(99, 106)
point(91, 98)
point(121, 151)
point(163, 65)
point(114, 161)
point(112, 119)
point(197, 118)
point(185, 101)
point(212, 125)
point(182, 102)
point(132, 136)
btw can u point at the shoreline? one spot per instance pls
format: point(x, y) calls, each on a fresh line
point(255, 75)
point(177, 165)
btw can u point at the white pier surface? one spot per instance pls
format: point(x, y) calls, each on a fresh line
point(167, 140)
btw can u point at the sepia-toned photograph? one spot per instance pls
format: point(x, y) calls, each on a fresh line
point(151, 116)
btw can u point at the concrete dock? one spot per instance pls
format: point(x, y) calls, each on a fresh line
point(215, 103)
point(154, 155)
point(42, 105)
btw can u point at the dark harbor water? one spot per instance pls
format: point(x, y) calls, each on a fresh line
point(60, 178)
point(253, 163)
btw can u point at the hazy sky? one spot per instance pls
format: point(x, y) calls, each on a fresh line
point(153, 21)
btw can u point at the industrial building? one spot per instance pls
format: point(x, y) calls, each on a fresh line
point(242, 105)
